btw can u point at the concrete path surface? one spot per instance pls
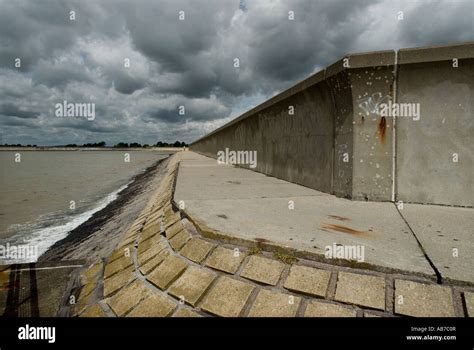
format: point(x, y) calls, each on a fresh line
point(249, 206)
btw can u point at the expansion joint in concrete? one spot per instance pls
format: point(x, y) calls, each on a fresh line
point(439, 278)
point(394, 132)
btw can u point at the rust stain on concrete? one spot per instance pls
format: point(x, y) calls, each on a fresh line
point(337, 217)
point(344, 229)
point(382, 129)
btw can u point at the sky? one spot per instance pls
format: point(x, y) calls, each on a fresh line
point(139, 61)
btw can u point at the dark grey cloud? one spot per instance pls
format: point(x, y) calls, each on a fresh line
point(54, 74)
point(10, 109)
point(16, 121)
point(436, 27)
point(193, 110)
point(188, 63)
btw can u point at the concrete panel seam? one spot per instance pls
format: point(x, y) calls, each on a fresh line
point(394, 124)
point(433, 266)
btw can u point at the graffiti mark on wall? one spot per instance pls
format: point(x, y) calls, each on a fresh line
point(370, 104)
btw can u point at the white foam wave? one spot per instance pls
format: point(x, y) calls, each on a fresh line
point(42, 239)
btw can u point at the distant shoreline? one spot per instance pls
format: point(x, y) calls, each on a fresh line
point(155, 149)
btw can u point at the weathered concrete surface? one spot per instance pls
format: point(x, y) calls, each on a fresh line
point(227, 298)
point(128, 297)
point(447, 237)
point(154, 305)
point(93, 311)
point(372, 134)
point(320, 309)
point(274, 304)
point(196, 249)
point(114, 283)
point(314, 223)
point(421, 300)
point(469, 300)
point(192, 284)
point(361, 290)
point(224, 259)
point(426, 172)
point(308, 280)
point(186, 313)
point(263, 270)
point(233, 182)
point(211, 194)
point(337, 141)
point(169, 270)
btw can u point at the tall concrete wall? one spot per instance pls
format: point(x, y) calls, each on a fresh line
point(338, 142)
point(271, 131)
point(427, 170)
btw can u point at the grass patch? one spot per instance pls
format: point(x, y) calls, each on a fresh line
point(286, 258)
point(254, 250)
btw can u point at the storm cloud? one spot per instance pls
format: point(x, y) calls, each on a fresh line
point(143, 62)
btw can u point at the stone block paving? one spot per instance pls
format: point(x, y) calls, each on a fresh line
point(151, 253)
point(169, 270)
point(361, 290)
point(469, 302)
point(197, 249)
point(154, 305)
point(418, 299)
point(228, 297)
point(179, 240)
point(186, 313)
point(128, 297)
point(308, 280)
point(93, 311)
point(161, 268)
point(116, 282)
point(274, 304)
point(325, 309)
point(192, 284)
point(151, 264)
point(264, 270)
point(225, 259)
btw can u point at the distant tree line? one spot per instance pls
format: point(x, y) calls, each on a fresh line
point(89, 145)
point(103, 144)
point(176, 144)
point(158, 144)
point(17, 145)
point(130, 145)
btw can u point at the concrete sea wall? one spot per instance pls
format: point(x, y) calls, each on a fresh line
point(330, 132)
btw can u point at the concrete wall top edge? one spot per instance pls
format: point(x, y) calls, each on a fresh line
point(436, 53)
point(373, 59)
point(361, 60)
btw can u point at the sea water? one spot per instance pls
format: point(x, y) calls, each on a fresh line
point(46, 194)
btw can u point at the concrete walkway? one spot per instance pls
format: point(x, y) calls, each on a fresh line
point(245, 206)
